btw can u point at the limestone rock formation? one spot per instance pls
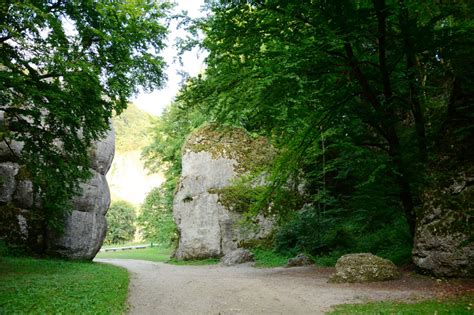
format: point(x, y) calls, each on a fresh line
point(85, 226)
point(212, 158)
point(444, 238)
point(364, 267)
point(238, 256)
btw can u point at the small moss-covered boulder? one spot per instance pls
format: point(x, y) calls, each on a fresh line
point(299, 261)
point(364, 267)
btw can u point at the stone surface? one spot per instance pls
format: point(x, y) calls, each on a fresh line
point(238, 256)
point(102, 153)
point(83, 235)
point(86, 226)
point(10, 150)
point(8, 171)
point(95, 195)
point(211, 160)
point(298, 261)
point(444, 244)
point(23, 196)
point(21, 222)
point(364, 267)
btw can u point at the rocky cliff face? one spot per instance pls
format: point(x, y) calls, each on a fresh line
point(211, 160)
point(444, 239)
point(85, 226)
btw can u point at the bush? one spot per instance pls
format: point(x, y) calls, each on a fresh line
point(121, 222)
point(327, 239)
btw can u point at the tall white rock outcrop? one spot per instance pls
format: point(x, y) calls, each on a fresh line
point(85, 226)
point(212, 159)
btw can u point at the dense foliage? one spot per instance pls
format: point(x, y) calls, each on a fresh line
point(156, 219)
point(132, 128)
point(65, 66)
point(121, 219)
point(355, 96)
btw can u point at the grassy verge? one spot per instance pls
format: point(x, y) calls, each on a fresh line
point(459, 305)
point(156, 254)
point(265, 258)
point(40, 286)
point(125, 244)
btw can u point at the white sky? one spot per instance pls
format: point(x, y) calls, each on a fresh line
point(193, 63)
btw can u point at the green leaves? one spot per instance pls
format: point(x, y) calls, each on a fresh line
point(121, 222)
point(65, 67)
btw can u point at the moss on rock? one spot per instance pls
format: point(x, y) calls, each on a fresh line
point(250, 153)
point(364, 267)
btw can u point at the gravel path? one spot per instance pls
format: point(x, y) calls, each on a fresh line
point(158, 288)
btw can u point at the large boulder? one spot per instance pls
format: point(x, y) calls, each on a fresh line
point(238, 256)
point(85, 226)
point(444, 238)
point(364, 267)
point(212, 159)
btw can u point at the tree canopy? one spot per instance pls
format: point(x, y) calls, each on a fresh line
point(354, 94)
point(65, 67)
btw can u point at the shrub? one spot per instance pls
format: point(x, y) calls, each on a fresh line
point(121, 222)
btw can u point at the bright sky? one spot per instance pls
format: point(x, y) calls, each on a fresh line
point(193, 63)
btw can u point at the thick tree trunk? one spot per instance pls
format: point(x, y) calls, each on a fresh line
point(415, 102)
point(387, 129)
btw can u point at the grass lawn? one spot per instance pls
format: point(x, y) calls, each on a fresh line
point(40, 286)
point(268, 259)
point(156, 254)
point(263, 258)
point(459, 305)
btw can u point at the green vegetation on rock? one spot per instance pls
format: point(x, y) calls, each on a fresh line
point(231, 143)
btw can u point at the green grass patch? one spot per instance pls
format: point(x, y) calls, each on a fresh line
point(197, 262)
point(40, 286)
point(156, 254)
point(265, 258)
point(459, 305)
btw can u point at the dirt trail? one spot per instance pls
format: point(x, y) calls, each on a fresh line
point(158, 288)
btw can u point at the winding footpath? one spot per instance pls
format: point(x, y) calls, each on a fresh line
point(159, 288)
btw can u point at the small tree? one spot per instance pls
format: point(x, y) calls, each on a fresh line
point(156, 218)
point(121, 218)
